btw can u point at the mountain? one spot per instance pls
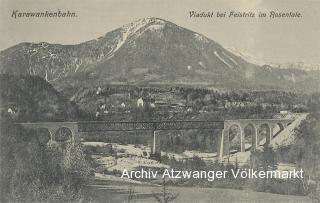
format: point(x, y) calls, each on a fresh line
point(150, 51)
point(297, 65)
point(30, 98)
point(246, 56)
point(289, 65)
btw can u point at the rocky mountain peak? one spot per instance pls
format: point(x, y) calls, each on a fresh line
point(149, 51)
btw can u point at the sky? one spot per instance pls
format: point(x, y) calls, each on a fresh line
point(273, 40)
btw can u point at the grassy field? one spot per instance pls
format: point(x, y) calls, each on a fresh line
point(119, 193)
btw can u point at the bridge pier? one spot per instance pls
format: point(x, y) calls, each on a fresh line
point(255, 138)
point(224, 146)
point(242, 141)
point(51, 131)
point(269, 135)
point(155, 146)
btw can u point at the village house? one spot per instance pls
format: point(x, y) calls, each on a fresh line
point(123, 105)
point(140, 102)
point(152, 105)
point(99, 90)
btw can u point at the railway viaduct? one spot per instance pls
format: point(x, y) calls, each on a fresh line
point(73, 131)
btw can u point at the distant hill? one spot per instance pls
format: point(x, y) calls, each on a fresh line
point(30, 98)
point(151, 51)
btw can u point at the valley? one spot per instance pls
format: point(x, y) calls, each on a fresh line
point(152, 95)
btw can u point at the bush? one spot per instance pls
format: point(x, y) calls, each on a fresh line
point(278, 186)
point(31, 171)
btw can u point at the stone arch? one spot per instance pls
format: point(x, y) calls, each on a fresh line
point(264, 134)
point(250, 136)
point(234, 134)
point(44, 135)
point(63, 134)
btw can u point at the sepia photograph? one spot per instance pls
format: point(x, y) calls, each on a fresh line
point(186, 101)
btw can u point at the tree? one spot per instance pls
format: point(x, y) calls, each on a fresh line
point(131, 194)
point(33, 171)
point(264, 159)
point(165, 196)
point(309, 156)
